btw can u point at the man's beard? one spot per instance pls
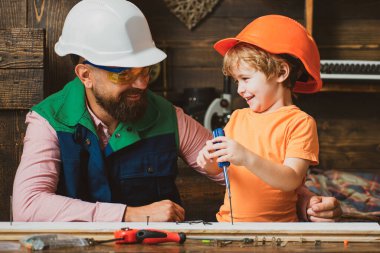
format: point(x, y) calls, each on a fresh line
point(122, 109)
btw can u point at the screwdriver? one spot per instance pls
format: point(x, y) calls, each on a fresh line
point(224, 165)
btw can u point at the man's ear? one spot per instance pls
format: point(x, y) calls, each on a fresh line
point(83, 73)
point(284, 73)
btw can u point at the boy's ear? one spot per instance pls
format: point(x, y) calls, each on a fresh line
point(284, 72)
point(83, 73)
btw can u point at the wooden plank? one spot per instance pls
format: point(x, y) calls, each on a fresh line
point(186, 44)
point(346, 9)
point(347, 144)
point(293, 231)
point(12, 129)
point(168, 29)
point(255, 8)
point(347, 32)
point(22, 48)
point(195, 57)
point(195, 77)
point(350, 52)
point(347, 127)
point(351, 87)
point(21, 82)
point(21, 88)
point(12, 13)
point(50, 15)
point(342, 106)
point(231, 8)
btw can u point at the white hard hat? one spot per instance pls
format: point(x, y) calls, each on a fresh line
point(109, 33)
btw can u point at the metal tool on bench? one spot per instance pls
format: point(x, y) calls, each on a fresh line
point(224, 165)
point(122, 236)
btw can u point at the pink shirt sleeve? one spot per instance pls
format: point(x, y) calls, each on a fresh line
point(193, 137)
point(36, 180)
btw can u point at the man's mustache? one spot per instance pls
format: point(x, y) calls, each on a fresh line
point(133, 91)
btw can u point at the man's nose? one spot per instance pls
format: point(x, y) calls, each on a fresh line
point(141, 82)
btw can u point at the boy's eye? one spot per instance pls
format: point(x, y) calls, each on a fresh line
point(245, 79)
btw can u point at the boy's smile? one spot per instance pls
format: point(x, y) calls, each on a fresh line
point(261, 94)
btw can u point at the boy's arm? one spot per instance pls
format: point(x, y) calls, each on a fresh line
point(286, 177)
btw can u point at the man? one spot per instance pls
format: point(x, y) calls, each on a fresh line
point(105, 147)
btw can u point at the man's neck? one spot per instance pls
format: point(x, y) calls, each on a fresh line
point(100, 113)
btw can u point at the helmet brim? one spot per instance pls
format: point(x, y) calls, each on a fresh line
point(147, 57)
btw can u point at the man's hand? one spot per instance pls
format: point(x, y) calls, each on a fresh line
point(324, 209)
point(164, 210)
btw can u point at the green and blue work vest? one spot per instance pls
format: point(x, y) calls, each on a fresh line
point(137, 167)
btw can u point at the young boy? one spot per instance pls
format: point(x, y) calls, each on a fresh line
point(271, 144)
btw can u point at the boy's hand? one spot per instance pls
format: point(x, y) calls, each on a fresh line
point(204, 158)
point(228, 150)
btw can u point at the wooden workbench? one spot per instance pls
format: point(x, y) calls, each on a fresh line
point(279, 237)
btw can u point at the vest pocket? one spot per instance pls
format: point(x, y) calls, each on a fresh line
point(153, 164)
point(148, 179)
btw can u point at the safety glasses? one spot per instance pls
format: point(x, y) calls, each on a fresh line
point(119, 75)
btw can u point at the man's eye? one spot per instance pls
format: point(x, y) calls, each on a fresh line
point(122, 74)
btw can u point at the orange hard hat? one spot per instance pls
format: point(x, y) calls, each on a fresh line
point(278, 34)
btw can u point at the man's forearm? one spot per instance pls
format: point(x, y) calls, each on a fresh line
point(303, 201)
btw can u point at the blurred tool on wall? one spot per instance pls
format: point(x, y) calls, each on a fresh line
point(219, 111)
point(159, 82)
point(197, 101)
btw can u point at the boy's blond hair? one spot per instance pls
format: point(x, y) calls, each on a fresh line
point(261, 60)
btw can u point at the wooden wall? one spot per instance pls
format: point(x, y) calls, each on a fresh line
point(348, 114)
point(21, 86)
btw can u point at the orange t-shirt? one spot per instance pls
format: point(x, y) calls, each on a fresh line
point(287, 132)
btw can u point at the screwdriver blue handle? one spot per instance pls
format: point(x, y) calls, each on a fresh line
point(219, 132)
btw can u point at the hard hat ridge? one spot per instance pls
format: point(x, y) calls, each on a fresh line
point(109, 33)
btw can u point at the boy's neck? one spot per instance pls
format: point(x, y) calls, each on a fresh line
point(285, 99)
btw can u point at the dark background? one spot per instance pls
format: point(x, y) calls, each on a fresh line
point(348, 114)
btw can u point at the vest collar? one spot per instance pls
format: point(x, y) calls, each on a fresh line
point(74, 110)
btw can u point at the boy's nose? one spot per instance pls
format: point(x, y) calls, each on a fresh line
point(241, 88)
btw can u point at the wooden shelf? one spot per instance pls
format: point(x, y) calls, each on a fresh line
point(351, 87)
